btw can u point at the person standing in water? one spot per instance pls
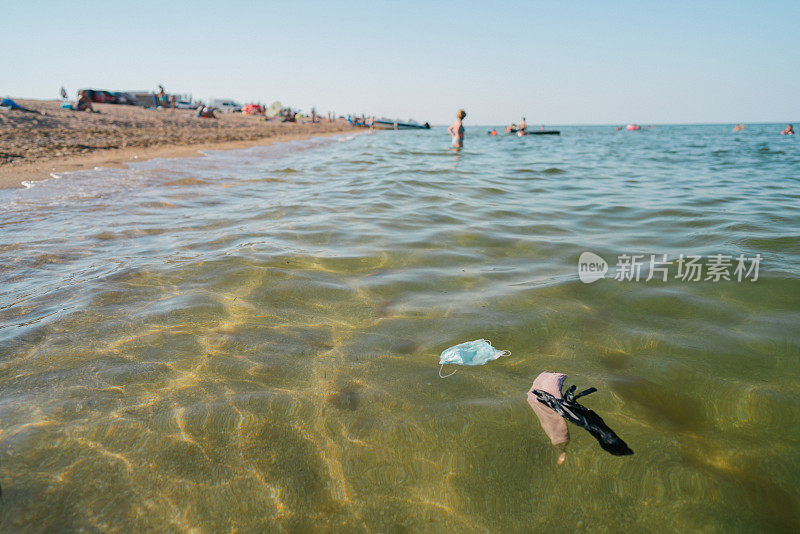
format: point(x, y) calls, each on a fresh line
point(456, 130)
point(523, 126)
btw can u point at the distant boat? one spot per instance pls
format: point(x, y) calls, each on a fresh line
point(386, 124)
point(535, 132)
point(633, 127)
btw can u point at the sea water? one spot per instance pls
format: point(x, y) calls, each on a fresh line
point(249, 340)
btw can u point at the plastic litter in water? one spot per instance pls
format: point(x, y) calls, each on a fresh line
point(478, 352)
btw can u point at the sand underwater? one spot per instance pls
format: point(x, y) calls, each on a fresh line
point(249, 340)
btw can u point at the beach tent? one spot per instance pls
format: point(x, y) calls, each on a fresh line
point(253, 109)
point(146, 99)
point(274, 109)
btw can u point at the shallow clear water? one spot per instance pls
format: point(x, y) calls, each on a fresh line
point(250, 340)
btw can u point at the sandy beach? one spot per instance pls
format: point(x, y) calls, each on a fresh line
point(33, 145)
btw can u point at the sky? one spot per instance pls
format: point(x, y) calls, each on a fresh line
point(575, 62)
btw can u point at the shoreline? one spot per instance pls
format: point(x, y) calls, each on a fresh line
point(12, 177)
point(50, 140)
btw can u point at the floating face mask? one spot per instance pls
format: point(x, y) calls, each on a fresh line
point(476, 352)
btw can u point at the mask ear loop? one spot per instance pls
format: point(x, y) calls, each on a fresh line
point(441, 366)
point(505, 353)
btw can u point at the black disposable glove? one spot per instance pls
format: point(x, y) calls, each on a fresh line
point(569, 409)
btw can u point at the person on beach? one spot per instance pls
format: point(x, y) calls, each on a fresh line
point(7, 103)
point(789, 130)
point(456, 130)
point(162, 97)
point(206, 113)
point(84, 102)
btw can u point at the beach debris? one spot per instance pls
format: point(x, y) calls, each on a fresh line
point(478, 352)
point(552, 423)
point(567, 407)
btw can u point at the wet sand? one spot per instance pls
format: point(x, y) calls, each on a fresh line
point(33, 145)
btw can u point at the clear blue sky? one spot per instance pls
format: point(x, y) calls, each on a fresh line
point(573, 62)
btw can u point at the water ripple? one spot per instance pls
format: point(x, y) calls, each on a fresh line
point(250, 338)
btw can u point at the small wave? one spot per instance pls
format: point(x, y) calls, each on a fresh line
point(187, 181)
point(422, 153)
point(767, 151)
point(157, 204)
point(27, 184)
point(549, 170)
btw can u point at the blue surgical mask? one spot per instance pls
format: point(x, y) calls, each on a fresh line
point(476, 352)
